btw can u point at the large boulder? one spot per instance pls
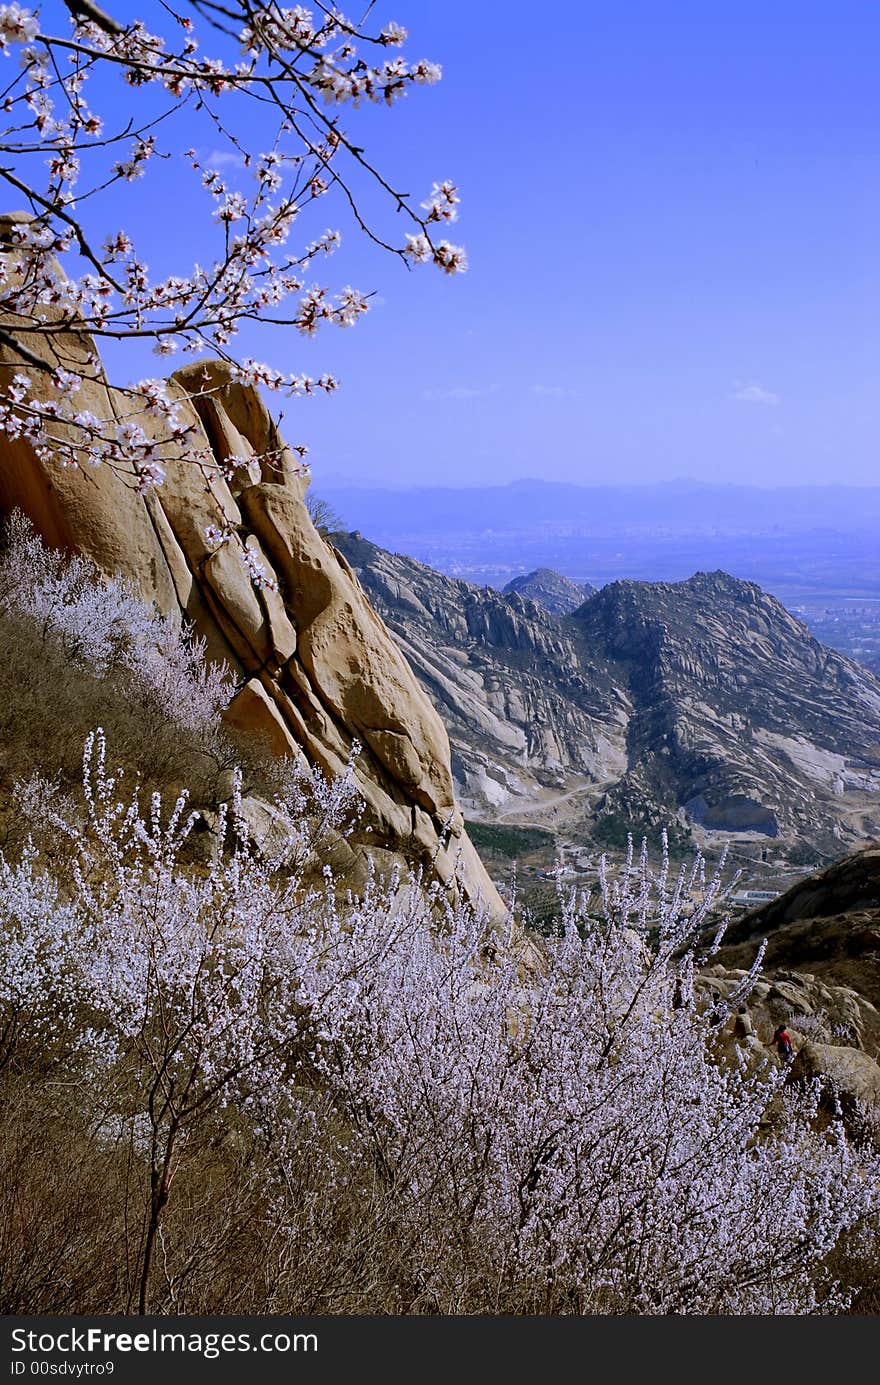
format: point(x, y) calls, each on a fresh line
point(316, 669)
point(849, 1079)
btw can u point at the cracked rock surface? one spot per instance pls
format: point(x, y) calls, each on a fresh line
point(315, 668)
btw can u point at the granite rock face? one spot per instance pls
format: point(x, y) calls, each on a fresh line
point(753, 724)
point(528, 711)
point(314, 666)
point(557, 594)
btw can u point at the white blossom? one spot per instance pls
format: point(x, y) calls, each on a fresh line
point(17, 25)
point(451, 258)
point(418, 248)
point(66, 382)
point(394, 34)
point(294, 57)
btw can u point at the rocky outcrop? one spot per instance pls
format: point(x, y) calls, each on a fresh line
point(827, 924)
point(834, 1030)
point(821, 977)
point(557, 594)
point(528, 712)
point(812, 1007)
point(315, 668)
point(846, 1076)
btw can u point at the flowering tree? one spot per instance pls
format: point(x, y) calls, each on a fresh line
point(283, 73)
point(183, 996)
point(570, 1142)
point(494, 1137)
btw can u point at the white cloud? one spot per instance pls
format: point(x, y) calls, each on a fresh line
point(456, 392)
point(549, 391)
point(224, 158)
point(755, 394)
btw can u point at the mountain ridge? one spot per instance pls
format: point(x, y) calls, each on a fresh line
point(703, 702)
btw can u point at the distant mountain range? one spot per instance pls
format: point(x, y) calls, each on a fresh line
point(703, 704)
point(809, 545)
point(672, 506)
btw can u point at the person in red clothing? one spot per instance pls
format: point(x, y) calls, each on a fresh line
point(782, 1040)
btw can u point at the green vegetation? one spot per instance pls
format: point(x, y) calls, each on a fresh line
point(512, 842)
point(611, 831)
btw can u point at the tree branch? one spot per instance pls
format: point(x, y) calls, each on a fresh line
point(6, 339)
point(92, 14)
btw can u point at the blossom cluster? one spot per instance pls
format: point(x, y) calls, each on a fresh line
point(290, 61)
point(288, 64)
point(17, 25)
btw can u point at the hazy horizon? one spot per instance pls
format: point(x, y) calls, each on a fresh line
point(338, 481)
point(799, 542)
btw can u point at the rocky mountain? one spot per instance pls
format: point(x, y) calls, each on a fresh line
point(821, 978)
point(827, 924)
point(316, 670)
point(557, 594)
point(739, 711)
point(530, 715)
point(703, 704)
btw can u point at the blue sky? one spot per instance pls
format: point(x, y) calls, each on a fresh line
point(671, 213)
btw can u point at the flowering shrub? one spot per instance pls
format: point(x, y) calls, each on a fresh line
point(568, 1141)
point(102, 623)
point(80, 649)
point(427, 1122)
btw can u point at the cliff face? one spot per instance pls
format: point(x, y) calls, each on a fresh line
point(315, 667)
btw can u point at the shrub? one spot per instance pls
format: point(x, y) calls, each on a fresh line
point(299, 1104)
point(508, 841)
point(80, 650)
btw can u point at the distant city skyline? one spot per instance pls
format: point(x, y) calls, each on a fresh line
point(671, 215)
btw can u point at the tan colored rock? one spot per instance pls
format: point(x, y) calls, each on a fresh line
point(808, 1005)
point(351, 660)
point(235, 415)
point(88, 510)
point(319, 669)
point(253, 710)
point(853, 1076)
